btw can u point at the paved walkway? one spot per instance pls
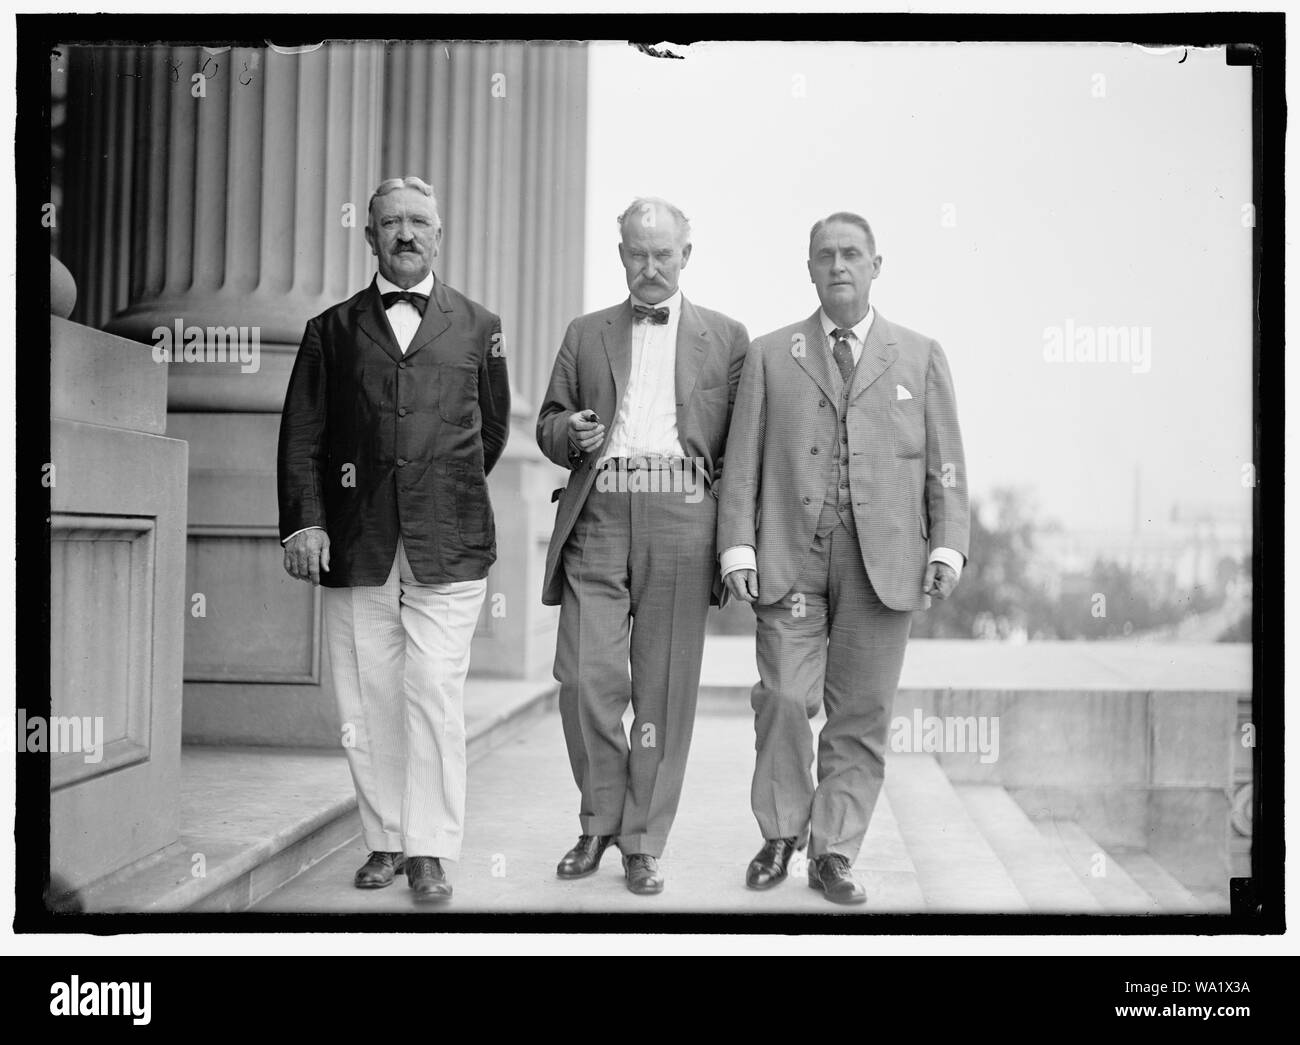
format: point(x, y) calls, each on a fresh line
point(522, 817)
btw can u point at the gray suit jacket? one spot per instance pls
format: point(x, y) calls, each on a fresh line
point(591, 373)
point(907, 472)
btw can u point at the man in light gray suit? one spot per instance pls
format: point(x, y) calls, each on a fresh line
point(843, 509)
point(637, 408)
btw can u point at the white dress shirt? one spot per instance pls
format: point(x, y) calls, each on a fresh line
point(646, 421)
point(742, 557)
point(404, 318)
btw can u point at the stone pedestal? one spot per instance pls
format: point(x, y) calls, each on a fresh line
point(117, 600)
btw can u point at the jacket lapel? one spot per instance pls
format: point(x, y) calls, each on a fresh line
point(811, 354)
point(370, 318)
point(692, 346)
point(435, 319)
point(878, 354)
point(617, 337)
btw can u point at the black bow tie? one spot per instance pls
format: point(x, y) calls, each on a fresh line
point(419, 301)
point(649, 315)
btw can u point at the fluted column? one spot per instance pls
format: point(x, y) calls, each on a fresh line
point(228, 209)
point(500, 132)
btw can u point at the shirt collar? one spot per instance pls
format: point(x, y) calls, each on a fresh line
point(672, 304)
point(860, 331)
point(425, 286)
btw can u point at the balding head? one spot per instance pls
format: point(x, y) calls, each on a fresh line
point(655, 246)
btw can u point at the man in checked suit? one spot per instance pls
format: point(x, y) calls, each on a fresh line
point(398, 406)
point(844, 507)
point(631, 561)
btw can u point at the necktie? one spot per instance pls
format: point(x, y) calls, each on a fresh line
point(418, 301)
point(650, 315)
point(843, 352)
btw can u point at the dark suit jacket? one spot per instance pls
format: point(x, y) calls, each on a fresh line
point(907, 469)
point(591, 373)
point(374, 443)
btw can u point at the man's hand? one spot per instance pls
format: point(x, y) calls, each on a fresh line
point(585, 430)
point(940, 580)
point(743, 584)
point(306, 554)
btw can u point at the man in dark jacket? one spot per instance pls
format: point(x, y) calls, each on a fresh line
point(397, 409)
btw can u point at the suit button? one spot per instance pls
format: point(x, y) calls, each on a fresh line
point(844, 439)
point(821, 402)
point(844, 484)
point(401, 365)
point(401, 462)
point(844, 462)
point(401, 411)
point(815, 450)
point(807, 500)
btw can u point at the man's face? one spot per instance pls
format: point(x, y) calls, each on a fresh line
point(404, 235)
point(842, 266)
point(652, 255)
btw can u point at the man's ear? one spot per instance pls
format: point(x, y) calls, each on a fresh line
point(437, 240)
point(622, 256)
point(370, 238)
point(811, 277)
point(686, 254)
point(875, 265)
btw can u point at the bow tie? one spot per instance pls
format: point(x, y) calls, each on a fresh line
point(650, 315)
point(417, 301)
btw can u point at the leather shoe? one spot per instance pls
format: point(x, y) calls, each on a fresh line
point(770, 866)
point(427, 881)
point(833, 875)
point(378, 870)
point(584, 858)
point(643, 876)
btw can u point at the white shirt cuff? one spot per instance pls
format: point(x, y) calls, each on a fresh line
point(305, 528)
point(949, 557)
point(741, 557)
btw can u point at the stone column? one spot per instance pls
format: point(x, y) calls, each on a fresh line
point(225, 209)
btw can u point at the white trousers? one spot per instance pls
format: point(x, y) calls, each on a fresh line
point(399, 654)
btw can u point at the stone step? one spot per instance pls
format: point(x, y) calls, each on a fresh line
point(254, 818)
point(1103, 875)
point(957, 868)
point(1047, 884)
point(1170, 895)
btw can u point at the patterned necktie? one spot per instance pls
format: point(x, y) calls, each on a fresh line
point(843, 352)
point(649, 315)
point(418, 301)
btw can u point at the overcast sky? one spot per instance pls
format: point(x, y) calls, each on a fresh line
point(1012, 188)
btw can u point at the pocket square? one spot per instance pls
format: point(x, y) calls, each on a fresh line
point(903, 393)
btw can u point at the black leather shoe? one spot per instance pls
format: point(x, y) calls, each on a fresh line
point(833, 875)
point(584, 858)
point(643, 877)
point(378, 870)
point(425, 877)
point(770, 866)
